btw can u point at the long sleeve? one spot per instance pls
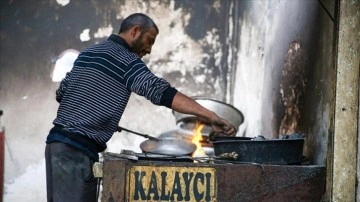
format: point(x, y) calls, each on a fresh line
point(140, 80)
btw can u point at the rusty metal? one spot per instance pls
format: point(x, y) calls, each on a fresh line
point(233, 182)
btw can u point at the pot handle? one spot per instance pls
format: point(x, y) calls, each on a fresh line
point(119, 129)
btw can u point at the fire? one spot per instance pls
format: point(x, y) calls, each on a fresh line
point(196, 140)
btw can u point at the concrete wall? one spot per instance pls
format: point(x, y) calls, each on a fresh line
point(344, 171)
point(234, 51)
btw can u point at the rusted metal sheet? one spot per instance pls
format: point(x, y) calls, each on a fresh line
point(270, 183)
point(232, 182)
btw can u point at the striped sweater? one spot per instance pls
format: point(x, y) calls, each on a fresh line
point(94, 94)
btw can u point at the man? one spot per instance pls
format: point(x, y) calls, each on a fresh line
point(93, 97)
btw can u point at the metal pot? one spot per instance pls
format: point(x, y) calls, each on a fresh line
point(188, 136)
point(164, 146)
point(224, 110)
point(168, 146)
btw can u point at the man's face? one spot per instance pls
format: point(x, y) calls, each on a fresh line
point(143, 42)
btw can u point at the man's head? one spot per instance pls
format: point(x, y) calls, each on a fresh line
point(140, 32)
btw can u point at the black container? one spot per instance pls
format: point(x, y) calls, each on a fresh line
point(277, 151)
point(230, 138)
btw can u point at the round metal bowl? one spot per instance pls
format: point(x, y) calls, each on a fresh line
point(224, 110)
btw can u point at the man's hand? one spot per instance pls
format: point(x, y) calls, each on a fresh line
point(220, 125)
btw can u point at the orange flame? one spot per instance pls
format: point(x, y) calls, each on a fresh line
point(196, 140)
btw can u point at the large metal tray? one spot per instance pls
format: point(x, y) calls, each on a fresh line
point(277, 151)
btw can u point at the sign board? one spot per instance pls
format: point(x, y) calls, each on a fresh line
point(165, 183)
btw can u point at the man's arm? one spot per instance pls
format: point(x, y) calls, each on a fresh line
point(184, 104)
point(60, 92)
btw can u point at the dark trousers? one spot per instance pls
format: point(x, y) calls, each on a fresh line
point(69, 175)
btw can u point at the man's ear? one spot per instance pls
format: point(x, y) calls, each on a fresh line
point(135, 30)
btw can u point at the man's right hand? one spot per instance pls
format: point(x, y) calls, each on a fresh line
point(223, 126)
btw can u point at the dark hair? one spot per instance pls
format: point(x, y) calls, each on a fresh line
point(141, 19)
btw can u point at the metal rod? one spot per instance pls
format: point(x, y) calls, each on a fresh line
point(119, 129)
